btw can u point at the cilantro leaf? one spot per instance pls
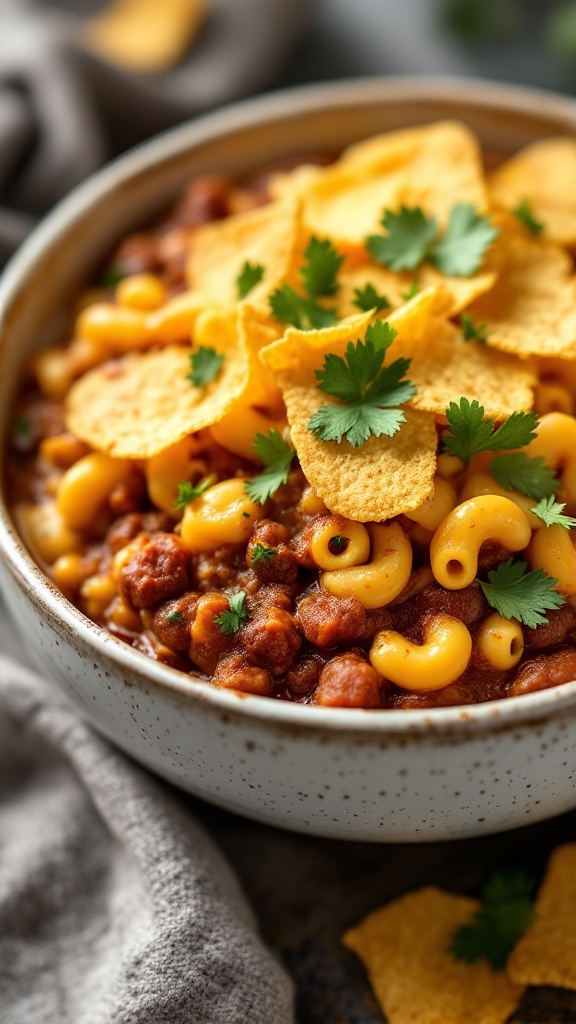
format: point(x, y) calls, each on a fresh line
point(507, 910)
point(370, 390)
point(460, 251)
point(368, 298)
point(237, 616)
point(277, 455)
point(469, 433)
point(287, 306)
point(409, 235)
point(412, 291)
point(338, 541)
point(205, 365)
point(250, 275)
point(550, 512)
point(472, 331)
point(321, 265)
point(187, 491)
point(529, 476)
point(175, 617)
point(517, 594)
point(260, 553)
point(524, 213)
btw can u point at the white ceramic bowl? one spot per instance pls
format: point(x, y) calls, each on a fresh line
point(371, 775)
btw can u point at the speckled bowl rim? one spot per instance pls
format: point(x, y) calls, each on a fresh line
point(490, 716)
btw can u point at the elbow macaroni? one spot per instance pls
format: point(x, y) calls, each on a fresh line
point(436, 663)
point(457, 541)
point(382, 579)
point(86, 486)
point(500, 641)
point(171, 467)
point(484, 483)
point(556, 443)
point(433, 510)
point(552, 549)
point(238, 428)
point(356, 552)
point(223, 514)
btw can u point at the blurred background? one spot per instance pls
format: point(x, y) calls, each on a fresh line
point(83, 80)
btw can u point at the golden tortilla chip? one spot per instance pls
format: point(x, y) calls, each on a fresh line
point(405, 947)
point(395, 285)
point(261, 387)
point(380, 479)
point(543, 174)
point(531, 310)
point(445, 368)
point(546, 953)
point(294, 183)
point(432, 166)
point(268, 236)
point(137, 406)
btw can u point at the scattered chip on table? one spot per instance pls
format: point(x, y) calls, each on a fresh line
point(405, 947)
point(546, 953)
point(543, 175)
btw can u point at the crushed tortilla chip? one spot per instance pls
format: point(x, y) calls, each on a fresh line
point(261, 387)
point(294, 183)
point(395, 285)
point(444, 367)
point(544, 175)
point(405, 947)
point(432, 166)
point(380, 479)
point(269, 236)
point(531, 310)
point(546, 953)
point(138, 406)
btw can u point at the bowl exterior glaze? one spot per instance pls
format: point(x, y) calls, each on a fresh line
point(384, 776)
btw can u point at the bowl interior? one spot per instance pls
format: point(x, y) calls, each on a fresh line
point(37, 289)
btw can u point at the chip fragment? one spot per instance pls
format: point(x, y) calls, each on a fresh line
point(380, 479)
point(405, 947)
point(546, 953)
point(141, 404)
point(544, 175)
point(531, 310)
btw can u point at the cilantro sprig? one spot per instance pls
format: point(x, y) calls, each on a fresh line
point(260, 553)
point(470, 433)
point(205, 365)
point(472, 331)
point(175, 617)
point(319, 279)
point(188, 491)
point(507, 910)
point(236, 616)
point(518, 594)
point(411, 237)
point(529, 476)
point(524, 213)
point(249, 276)
point(368, 298)
point(277, 456)
point(551, 512)
point(370, 392)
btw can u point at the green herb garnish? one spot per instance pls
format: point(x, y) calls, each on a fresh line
point(175, 617)
point(551, 511)
point(260, 553)
point(187, 491)
point(277, 455)
point(318, 272)
point(469, 433)
point(507, 910)
point(368, 298)
point(472, 331)
point(205, 365)
point(529, 476)
point(524, 213)
point(250, 275)
point(235, 617)
point(518, 594)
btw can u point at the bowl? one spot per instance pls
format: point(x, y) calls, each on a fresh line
point(350, 774)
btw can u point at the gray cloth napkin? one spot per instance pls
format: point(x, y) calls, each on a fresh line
point(115, 906)
point(64, 112)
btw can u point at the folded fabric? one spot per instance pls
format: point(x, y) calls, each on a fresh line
point(115, 906)
point(64, 111)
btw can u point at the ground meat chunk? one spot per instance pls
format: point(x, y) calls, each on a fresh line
point(467, 604)
point(348, 681)
point(561, 622)
point(328, 621)
point(137, 254)
point(304, 676)
point(129, 526)
point(204, 200)
point(490, 555)
point(128, 495)
point(157, 570)
point(173, 620)
point(272, 640)
point(219, 570)
point(282, 566)
point(235, 672)
point(208, 642)
point(149, 645)
point(544, 671)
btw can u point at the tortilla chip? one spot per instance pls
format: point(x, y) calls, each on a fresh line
point(137, 406)
point(445, 368)
point(546, 953)
point(432, 166)
point(405, 947)
point(261, 387)
point(544, 174)
point(395, 285)
point(294, 183)
point(531, 310)
point(380, 479)
point(268, 236)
